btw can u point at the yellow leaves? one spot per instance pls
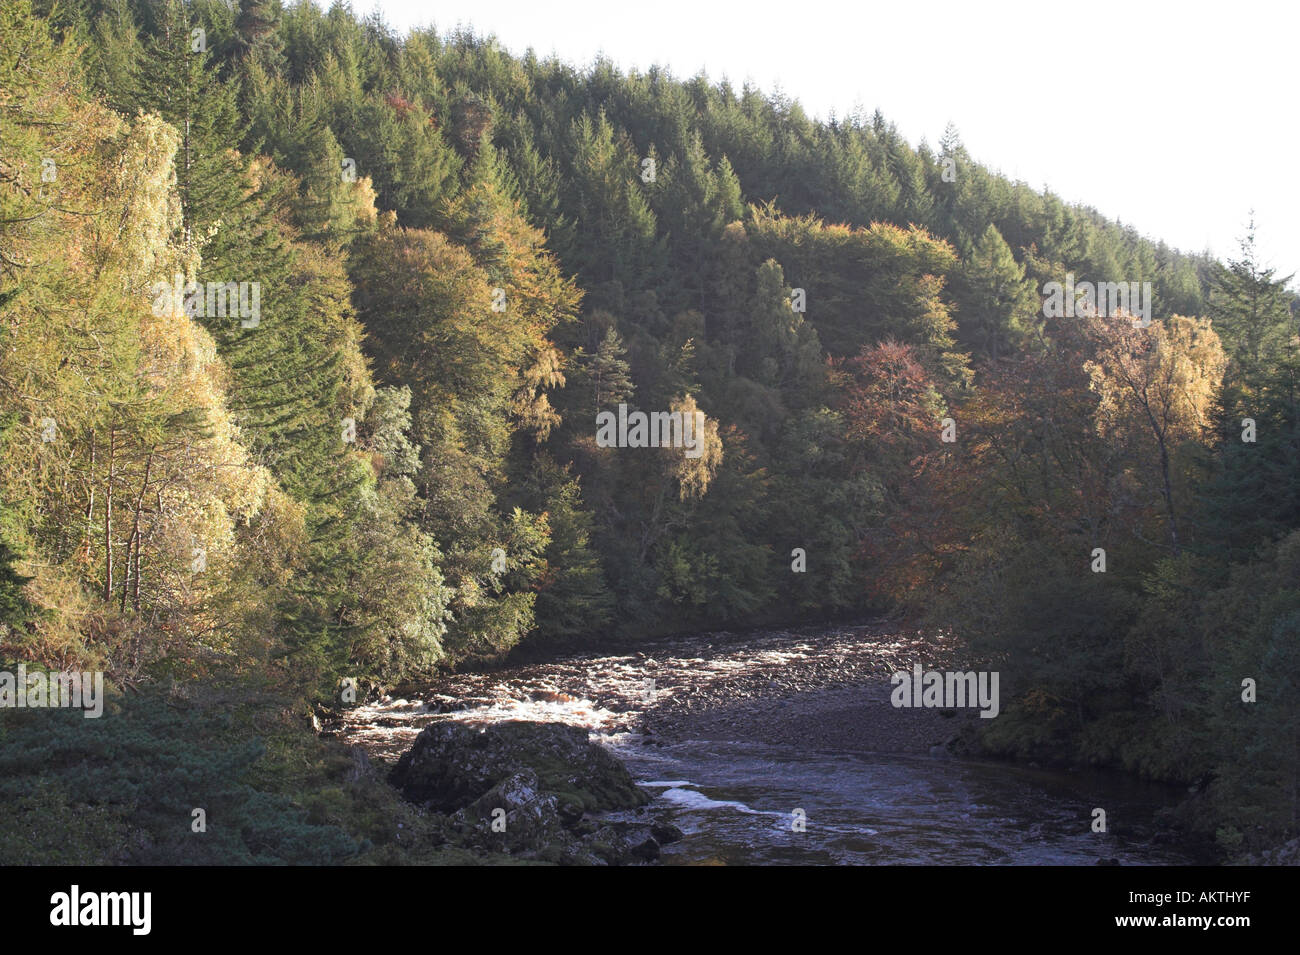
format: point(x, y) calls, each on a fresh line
point(1197, 364)
point(362, 201)
point(1155, 386)
point(49, 137)
point(696, 466)
point(138, 399)
point(59, 641)
point(530, 405)
point(140, 189)
point(1162, 378)
point(504, 243)
point(179, 362)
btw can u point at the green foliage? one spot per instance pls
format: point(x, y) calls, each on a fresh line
point(996, 305)
point(1251, 307)
point(396, 467)
point(126, 785)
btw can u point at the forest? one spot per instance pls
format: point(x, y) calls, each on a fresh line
point(306, 328)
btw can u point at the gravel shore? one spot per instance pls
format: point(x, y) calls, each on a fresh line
point(829, 690)
point(820, 689)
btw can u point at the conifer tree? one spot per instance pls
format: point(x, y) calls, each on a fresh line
point(996, 305)
point(1252, 307)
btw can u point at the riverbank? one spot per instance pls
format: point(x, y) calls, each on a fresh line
point(731, 732)
point(825, 690)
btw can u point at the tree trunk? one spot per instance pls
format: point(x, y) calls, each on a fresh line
point(126, 576)
point(135, 533)
point(90, 503)
point(108, 517)
point(1169, 496)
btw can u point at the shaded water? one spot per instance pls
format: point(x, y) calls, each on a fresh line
point(735, 802)
point(735, 799)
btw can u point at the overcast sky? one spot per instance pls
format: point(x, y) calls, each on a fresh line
point(1172, 117)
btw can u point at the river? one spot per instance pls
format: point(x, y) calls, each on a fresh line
point(781, 747)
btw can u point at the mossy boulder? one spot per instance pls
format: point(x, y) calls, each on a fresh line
point(514, 816)
point(452, 764)
point(525, 789)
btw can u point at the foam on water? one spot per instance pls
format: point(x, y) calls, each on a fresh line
point(691, 800)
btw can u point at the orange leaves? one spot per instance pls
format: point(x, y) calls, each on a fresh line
point(890, 402)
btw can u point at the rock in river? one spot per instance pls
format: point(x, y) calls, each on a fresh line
point(536, 781)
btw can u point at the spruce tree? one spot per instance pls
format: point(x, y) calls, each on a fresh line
point(1250, 307)
point(996, 304)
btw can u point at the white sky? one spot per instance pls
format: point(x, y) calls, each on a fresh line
point(1172, 117)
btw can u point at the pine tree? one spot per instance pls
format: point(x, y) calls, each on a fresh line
point(1251, 307)
point(1252, 493)
point(996, 304)
point(255, 27)
point(609, 374)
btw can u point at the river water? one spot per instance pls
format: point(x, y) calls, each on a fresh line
point(742, 800)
